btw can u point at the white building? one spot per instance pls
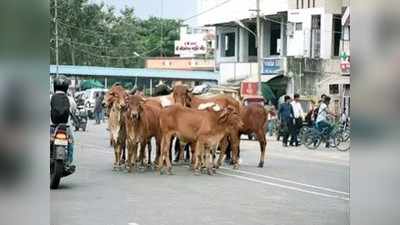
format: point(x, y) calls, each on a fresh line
point(300, 43)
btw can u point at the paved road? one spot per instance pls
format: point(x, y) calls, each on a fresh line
point(296, 186)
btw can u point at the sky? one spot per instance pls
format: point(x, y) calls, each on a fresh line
point(177, 9)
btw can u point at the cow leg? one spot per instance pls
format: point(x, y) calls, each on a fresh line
point(207, 160)
point(132, 149)
point(181, 152)
point(192, 149)
point(235, 142)
point(123, 157)
point(117, 152)
point(222, 146)
point(197, 158)
point(168, 159)
point(263, 142)
point(158, 151)
point(142, 153)
point(165, 150)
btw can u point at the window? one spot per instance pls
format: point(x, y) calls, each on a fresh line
point(308, 4)
point(229, 45)
point(302, 4)
point(313, 3)
point(299, 26)
point(252, 41)
point(297, 4)
point(337, 27)
point(334, 89)
point(217, 42)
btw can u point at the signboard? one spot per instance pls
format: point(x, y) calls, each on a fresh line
point(345, 63)
point(190, 47)
point(249, 88)
point(271, 66)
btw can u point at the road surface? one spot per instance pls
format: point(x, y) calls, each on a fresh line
point(296, 186)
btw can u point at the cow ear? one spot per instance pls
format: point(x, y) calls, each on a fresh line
point(224, 116)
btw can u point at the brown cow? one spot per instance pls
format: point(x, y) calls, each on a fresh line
point(142, 123)
point(224, 101)
point(254, 118)
point(205, 127)
point(115, 101)
point(178, 96)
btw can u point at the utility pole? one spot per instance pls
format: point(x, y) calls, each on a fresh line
point(56, 26)
point(259, 52)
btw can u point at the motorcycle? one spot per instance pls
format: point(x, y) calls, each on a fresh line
point(80, 118)
point(59, 141)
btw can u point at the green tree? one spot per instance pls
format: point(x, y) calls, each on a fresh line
point(93, 34)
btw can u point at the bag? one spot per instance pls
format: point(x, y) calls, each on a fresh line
point(59, 104)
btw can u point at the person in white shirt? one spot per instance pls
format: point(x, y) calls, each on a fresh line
point(298, 120)
point(322, 118)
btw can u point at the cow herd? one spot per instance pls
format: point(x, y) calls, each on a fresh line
point(203, 123)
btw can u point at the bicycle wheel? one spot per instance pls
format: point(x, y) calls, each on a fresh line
point(345, 141)
point(312, 140)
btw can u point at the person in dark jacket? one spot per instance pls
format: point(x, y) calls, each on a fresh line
point(98, 108)
point(286, 117)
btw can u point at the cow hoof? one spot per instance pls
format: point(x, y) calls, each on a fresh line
point(169, 172)
point(261, 164)
point(115, 167)
point(214, 170)
point(236, 167)
point(196, 172)
point(210, 172)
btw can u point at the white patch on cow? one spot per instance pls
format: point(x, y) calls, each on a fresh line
point(216, 108)
point(165, 101)
point(204, 106)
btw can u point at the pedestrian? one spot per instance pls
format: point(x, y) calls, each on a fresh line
point(102, 114)
point(285, 116)
point(309, 118)
point(315, 114)
point(322, 118)
point(97, 108)
point(298, 114)
point(272, 121)
point(344, 119)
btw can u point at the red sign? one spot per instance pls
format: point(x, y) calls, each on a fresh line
point(249, 88)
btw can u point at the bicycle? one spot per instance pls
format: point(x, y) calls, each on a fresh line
point(313, 137)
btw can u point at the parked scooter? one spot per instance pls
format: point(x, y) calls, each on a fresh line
point(59, 142)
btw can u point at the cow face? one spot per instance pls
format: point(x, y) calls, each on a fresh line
point(181, 95)
point(231, 118)
point(115, 98)
point(135, 106)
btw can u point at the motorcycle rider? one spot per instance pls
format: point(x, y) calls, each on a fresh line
point(62, 105)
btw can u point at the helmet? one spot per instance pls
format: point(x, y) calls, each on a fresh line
point(61, 83)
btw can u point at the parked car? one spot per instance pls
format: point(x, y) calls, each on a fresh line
point(90, 99)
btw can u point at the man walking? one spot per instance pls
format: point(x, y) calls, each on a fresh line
point(98, 108)
point(298, 120)
point(286, 117)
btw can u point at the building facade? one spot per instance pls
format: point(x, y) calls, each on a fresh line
point(302, 43)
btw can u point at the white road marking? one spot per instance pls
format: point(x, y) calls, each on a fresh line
point(288, 181)
point(285, 186)
point(270, 183)
point(133, 224)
